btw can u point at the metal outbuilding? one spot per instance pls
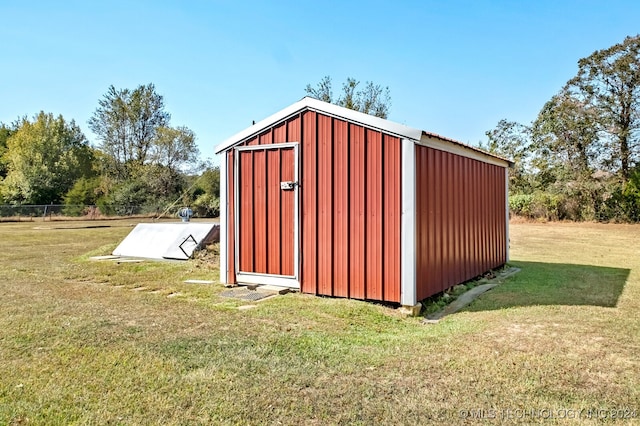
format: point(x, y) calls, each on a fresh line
point(335, 202)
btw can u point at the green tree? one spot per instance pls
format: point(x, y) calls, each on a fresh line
point(207, 193)
point(512, 140)
point(566, 130)
point(580, 158)
point(373, 99)
point(174, 148)
point(210, 181)
point(5, 132)
point(568, 149)
point(144, 158)
point(608, 80)
point(323, 91)
point(85, 192)
point(44, 158)
point(126, 123)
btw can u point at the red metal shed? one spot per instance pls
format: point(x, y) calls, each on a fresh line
point(335, 202)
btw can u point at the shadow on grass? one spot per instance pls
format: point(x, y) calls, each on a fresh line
point(555, 284)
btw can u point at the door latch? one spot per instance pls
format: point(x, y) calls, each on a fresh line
point(288, 185)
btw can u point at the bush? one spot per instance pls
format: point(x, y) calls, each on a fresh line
point(207, 205)
point(539, 205)
point(84, 192)
point(520, 204)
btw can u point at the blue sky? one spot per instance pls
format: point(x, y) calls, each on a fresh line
point(453, 67)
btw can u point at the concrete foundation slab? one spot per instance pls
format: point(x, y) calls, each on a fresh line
point(411, 311)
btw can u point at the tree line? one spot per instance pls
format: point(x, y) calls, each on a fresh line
point(578, 160)
point(139, 160)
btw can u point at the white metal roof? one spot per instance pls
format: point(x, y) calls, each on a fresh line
point(358, 117)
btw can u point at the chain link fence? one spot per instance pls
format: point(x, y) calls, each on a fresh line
point(32, 212)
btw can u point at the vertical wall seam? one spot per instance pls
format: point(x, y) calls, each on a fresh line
point(383, 219)
point(224, 221)
point(253, 216)
point(300, 212)
point(506, 196)
point(332, 193)
point(348, 211)
point(365, 147)
point(315, 196)
point(280, 210)
point(286, 131)
point(266, 207)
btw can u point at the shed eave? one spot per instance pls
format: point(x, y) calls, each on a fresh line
point(508, 162)
point(308, 103)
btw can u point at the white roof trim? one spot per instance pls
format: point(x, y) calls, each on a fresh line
point(448, 145)
point(366, 120)
point(326, 108)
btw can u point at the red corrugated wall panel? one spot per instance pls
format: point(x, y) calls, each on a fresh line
point(446, 215)
point(260, 252)
point(460, 220)
point(308, 189)
point(266, 137)
point(340, 163)
point(293, 129)
point(351, 204)
point(357, 208)
point(324, 189)
point(274, 211)
point(280, 133)
point(373, 231)
point(392, 179)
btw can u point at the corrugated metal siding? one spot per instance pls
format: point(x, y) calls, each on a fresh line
point(350, 207)
point(357, 208)
point(460, 219)
point(392, 202)
point(350, 210)
point(340, 162)
point(274, 211)
point(308, 191)
point(325, 205)
point(258, 212)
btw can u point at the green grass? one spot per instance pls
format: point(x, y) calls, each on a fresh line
point(82, 343)
point(541, 283)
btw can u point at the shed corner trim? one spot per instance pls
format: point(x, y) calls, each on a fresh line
point(408, 290)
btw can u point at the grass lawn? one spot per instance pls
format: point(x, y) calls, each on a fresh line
point(84, 342)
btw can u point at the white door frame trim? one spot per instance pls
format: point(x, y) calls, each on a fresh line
point(291, 281)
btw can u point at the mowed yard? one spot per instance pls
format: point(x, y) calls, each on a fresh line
point(85, 342)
